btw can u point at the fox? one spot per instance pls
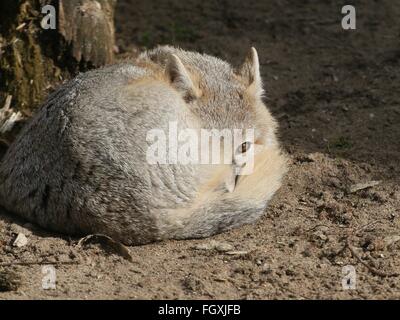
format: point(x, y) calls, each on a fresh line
point(79, 166)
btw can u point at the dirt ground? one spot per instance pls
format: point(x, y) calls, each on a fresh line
point(336, 96)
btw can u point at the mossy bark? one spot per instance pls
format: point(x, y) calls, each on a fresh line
point(34, 60)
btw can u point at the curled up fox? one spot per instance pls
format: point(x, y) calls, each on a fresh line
point(81, 165)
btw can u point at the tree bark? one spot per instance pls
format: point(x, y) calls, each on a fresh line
point(33, 60)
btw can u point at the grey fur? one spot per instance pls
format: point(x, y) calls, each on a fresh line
point(79, 166)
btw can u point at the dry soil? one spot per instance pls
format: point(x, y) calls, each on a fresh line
point(336, 96)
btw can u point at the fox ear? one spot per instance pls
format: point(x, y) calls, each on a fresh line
point(180, 78)
point(250, 72)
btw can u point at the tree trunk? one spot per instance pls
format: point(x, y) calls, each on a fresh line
point(33, 60)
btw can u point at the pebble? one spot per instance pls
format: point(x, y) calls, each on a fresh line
point(215, 245)
point(20, 241)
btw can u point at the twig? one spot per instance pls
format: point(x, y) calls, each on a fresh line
point(7, 103)
point(30, 263)
point(20, 26)
point(370, 268)
point(361, 186)
point(107, 241)
point(366, 226)
point(317, 226)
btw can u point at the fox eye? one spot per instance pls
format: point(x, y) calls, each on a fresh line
point(244, 147)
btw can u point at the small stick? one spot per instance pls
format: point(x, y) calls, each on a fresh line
point(20, 26)
point(7, 103)
point(30, 263)
point(317, 226)
point(370, 268)
point(366, 226)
